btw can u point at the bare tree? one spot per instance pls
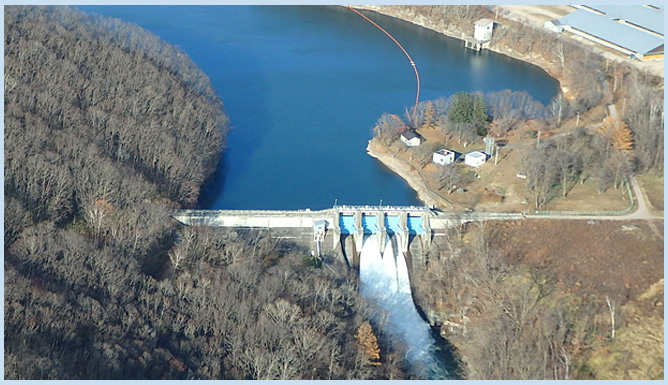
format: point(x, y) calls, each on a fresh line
point(388, 128)
point(449, 178)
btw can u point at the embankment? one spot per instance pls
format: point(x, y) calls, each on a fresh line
point(409, 173)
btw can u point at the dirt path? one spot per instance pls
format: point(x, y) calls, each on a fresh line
point(537, 15)
point(414, 180)
point(642, 212)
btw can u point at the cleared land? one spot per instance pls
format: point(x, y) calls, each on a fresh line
point(536, 15)
point(652, 186)
point(496, 187)
point(622, 259)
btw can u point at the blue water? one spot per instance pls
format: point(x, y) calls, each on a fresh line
point(303, 87)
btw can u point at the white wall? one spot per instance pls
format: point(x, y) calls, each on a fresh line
point(474, 161)
point(443, 159)
point(483, 33)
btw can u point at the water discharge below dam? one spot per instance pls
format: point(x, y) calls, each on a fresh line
point(384, 280)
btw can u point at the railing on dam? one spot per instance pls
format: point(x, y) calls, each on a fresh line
point(209, 213)
point(366, 219)
point(347, 226)
point(381, 208)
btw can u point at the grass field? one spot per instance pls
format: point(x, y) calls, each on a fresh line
point(652, 184)
point(497, 188)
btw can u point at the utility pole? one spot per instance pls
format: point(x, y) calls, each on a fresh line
point(611, 307)
point(623, 107)
point(614, 85)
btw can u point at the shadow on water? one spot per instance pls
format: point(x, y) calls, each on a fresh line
point(214, 186)
point(238, 84)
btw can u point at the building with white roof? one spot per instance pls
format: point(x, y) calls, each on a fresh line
point(483, 29)
point(636, 30)
point(475, 159)
point(443, 157)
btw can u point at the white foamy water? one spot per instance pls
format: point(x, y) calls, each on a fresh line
point(384, 279)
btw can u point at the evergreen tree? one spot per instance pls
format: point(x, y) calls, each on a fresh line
point(429, 120)
point(469, 108)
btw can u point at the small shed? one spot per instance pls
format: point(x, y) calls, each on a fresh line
point(554, 26)
point(320, 225)
point(411, 138)
point(475, 159)
point(483, 29)
point(443, 157)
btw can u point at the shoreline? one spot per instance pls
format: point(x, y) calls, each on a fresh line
point(408, 174)
point(406, 171)
point(460, 35)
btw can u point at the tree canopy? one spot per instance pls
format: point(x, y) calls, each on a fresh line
point(469, 108)
point(107, 130)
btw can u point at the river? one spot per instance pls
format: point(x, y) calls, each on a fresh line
point(303, 87)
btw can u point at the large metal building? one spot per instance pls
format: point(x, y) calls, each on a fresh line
point(636, 30)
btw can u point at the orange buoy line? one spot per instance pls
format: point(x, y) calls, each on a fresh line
point(410, 59)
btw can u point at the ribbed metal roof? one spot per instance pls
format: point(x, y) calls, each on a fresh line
point(605, 28)
point(641, 15)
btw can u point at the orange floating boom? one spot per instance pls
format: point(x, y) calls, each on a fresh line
point(410, 59)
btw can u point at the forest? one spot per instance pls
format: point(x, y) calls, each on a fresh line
point(107, 130)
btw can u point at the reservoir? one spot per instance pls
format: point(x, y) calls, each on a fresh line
point(303, 87)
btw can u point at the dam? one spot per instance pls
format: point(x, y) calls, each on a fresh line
point(387, 246)
point(342, 229)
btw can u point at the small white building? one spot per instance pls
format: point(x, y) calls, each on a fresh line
point(443, 157)
point(554, 26)
point(483, 30)
point(411, 138)
point(475, 159)
point(319, 226)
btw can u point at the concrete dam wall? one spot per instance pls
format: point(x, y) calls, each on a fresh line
point(340, 230)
